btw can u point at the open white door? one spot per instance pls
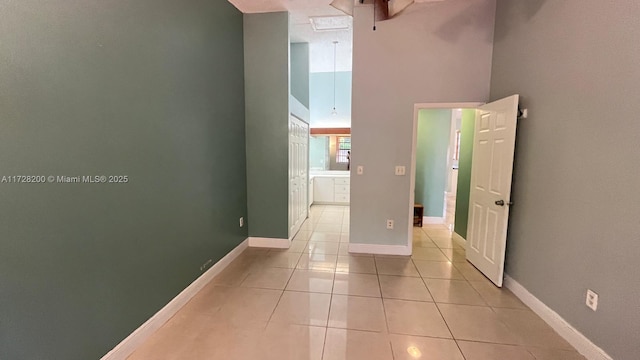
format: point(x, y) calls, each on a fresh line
point(490, 192)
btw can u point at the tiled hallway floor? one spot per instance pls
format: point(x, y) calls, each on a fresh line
point(315, 301)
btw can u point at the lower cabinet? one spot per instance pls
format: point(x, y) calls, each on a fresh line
point(323, 190)
point(331, 190)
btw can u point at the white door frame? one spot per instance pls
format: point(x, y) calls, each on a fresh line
point(416, 108)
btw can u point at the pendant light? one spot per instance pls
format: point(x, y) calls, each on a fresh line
point(334, 112)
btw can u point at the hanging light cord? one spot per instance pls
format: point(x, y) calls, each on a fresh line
point(335, 45)
point(374, 15)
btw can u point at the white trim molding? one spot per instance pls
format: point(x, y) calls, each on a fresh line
point(574, 337)
point(459, 239)
point(275, 243)
point(379, 249)
point(433, 220)
point(127, 346)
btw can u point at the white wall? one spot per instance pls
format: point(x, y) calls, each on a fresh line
point(437, 52)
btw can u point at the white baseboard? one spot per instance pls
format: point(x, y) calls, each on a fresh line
point(379, 249)
point(433, 220)
point(127, 346)
point(459, 239)
point(574, 337)
point(269, 242)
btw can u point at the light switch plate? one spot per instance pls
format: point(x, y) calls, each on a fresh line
point(592, 300)
point(360, 170)
point(400, 171)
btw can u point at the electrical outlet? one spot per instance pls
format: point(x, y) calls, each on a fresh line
point(204, 266)
point(389, 224)
point(241, 221)
point(400, 171)
point(592, 300)
point(360, 170)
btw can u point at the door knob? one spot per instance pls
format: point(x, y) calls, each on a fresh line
point(501, 203)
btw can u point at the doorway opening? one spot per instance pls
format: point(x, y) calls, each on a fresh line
point(437, 152)
point(489, 183)
point(439, 136)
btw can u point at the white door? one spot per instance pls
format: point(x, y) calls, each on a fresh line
point(310, 192)
point(298, 177)
point(490, 192)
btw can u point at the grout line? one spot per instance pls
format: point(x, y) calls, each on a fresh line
point(275, 307)
point(384, 308)
point(324, 341)
point(425, 285)
point(326, 329)
point(393, 355)
point(333, 284)
point(440, 312)
point(449, 328)
point(281, 295)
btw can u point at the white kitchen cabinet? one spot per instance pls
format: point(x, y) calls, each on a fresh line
point(342, 199)
point(331, 190)
point(323, 190)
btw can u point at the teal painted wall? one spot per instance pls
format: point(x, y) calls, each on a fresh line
point(300, 72)
point(464, 172)
point(574, 223)
point(152, 90)
point(434, 128)
point(266, 61)
point(321, 98)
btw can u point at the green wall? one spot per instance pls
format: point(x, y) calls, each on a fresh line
point(464, 172)
point(148, 89)
point(300, 72)
point(434, 129)
point(574, 224)
point(266, 61)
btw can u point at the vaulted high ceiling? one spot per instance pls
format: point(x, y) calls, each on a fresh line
point(320, 43)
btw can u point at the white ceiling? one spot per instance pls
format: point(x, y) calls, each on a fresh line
point(320, 43)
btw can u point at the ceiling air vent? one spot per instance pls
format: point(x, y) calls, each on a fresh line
point(330, 23)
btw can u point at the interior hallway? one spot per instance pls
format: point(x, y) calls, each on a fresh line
point(315, 301)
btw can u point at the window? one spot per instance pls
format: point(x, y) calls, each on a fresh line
point(343, 147)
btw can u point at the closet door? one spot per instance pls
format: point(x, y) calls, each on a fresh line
point(298, 173)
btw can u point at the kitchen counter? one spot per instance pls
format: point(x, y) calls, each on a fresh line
point(332, 174)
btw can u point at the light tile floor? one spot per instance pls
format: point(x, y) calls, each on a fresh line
point(315, 301)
